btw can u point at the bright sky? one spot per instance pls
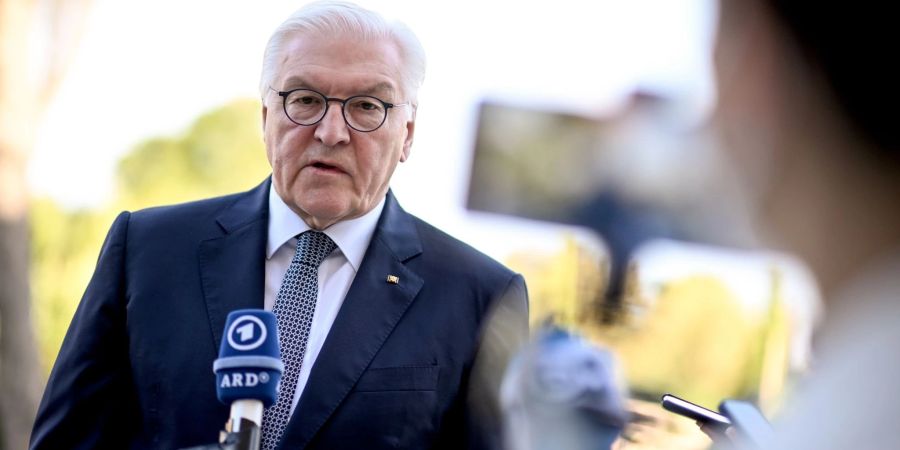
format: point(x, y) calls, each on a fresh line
point(149, 68)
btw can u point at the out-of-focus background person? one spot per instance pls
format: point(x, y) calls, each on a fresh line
point(807, 92)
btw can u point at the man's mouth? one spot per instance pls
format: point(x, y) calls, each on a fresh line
point(325, 167)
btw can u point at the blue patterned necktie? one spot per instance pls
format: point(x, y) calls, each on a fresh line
point(294, 308)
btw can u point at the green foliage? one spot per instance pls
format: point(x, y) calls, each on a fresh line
point(221, 152)
point(694, 337)
point(565, 287)
point(65, 246)
point(696, 341)
point(690, 335)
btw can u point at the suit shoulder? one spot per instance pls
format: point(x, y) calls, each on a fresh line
point(200, 215)
point(192, 208)
point(469, 276)
point(458, 256)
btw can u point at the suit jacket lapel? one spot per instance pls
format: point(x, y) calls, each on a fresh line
point(371, 310)
point(232, 263)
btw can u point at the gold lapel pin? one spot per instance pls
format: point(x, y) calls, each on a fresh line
point(393, 279)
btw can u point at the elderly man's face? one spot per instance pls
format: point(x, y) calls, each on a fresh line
point(329, 172)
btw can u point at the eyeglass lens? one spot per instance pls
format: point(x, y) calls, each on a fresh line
point(363, 113)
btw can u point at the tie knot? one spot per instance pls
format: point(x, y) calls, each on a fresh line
point(313, 247)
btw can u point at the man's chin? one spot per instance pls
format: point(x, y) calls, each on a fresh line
point(321, 214)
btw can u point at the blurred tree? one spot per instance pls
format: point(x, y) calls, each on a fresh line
point(567, 286)
point(37, 39)
point(695, 339)
point(64, 248)
point(221, 152)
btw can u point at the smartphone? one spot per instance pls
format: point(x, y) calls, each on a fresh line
point(752, 427)
point(693, 411)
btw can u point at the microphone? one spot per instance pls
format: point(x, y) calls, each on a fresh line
point(249, 367)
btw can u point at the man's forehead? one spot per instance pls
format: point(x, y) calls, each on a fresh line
point(360, 86)
point(345, 62)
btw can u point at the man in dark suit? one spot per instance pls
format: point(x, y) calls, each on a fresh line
point(399, 311)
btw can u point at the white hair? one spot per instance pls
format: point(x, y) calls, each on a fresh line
point(327, 18)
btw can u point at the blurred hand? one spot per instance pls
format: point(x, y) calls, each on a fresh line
point(719, 435)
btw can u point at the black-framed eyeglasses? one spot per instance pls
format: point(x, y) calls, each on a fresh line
point(361, 112)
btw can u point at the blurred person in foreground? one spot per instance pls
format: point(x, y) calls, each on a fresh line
point(399, 311)
point(807, 99)
point(561, 392)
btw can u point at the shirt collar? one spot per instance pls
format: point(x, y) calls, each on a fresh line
point(351, 236)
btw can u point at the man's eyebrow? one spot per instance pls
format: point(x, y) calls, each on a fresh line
point(379, 88)
point(295, 82)
point(382, 88)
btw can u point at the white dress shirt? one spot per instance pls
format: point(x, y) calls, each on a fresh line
point(336, 272)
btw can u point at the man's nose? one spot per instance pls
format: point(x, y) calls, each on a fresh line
point(332, 130)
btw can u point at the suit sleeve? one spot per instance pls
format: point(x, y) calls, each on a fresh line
point(503, 332)
point(89, 401)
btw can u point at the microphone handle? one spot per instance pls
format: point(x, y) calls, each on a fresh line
point(248, 409)
point(246, 439)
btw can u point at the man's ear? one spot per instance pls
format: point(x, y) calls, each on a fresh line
point(265, 112)
point(410, 131)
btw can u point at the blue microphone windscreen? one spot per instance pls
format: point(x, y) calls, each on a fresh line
point(249, 365)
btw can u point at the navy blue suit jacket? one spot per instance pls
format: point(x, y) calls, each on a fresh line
point(135, 368)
